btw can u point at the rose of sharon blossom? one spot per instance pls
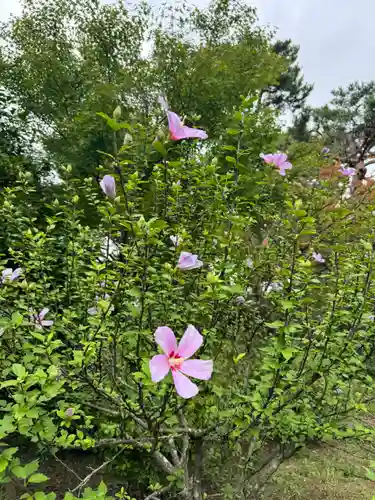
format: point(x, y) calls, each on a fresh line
point(279, 160)
point(318, 258)
point(177, 129)
point(268, 288)
point(69, 412)
point(176, 359)
point(39, 321)
point(347, 171)
point(176, 240)
point(188, 261)
point(10, 275)
point(108, 186)
point(240, 300)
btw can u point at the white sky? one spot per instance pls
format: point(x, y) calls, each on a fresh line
point(335, 37)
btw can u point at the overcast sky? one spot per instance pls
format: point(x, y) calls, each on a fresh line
point(337, 45)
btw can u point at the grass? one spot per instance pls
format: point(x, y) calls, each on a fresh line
point(333, 471)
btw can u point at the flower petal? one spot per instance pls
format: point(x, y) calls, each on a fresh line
point(179, 131)
point(197, 368)
point(16, 273)
point(108, 185)
point(280, 159)
point(92, 311)
point(286, 165)
point(6, 273)
point(165, 338)
point(46, 322)
point(184, 387)
point(190, 342)
point(194, 133)
point(188, 261)
point(175, 126)
point(159, 367)
point(42, 313)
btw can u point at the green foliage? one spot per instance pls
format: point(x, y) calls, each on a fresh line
point(348, 122)
point(291, 339)
point(64, 62)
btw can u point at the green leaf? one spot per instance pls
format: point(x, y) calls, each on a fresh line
point(287, 304)
point(31, 467)
point(276, 324)
point(233, 131)
point(104, 305)
point(102, 488)
point(18, 370)
point(238, 358)
point(3, 464)
point(37, 478)
point(231, 159)
point(8, 383)
point(17, 318)
point(112, 123)
point(38, 336)
point(160, 148)
point(287, 353)
point(20, 472)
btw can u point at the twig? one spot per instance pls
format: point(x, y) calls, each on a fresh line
point(67, 467)
point(87, 478)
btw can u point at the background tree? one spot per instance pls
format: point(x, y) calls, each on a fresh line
point(290, 91)
point(347, 123)
point(65, 63)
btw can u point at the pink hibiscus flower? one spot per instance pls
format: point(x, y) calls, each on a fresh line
point(39, 321)
point(177, 129)
point(108, 185)
point(347, 171)
point(188, 261)
point(279, 160)
point(176, 359)
point(318, 257)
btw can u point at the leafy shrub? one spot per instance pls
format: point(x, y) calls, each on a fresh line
point(291, 337)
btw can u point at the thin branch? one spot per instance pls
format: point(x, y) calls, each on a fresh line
point(67, 467)
point(95, 471)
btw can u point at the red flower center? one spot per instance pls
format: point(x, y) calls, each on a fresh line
point(175, 361)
